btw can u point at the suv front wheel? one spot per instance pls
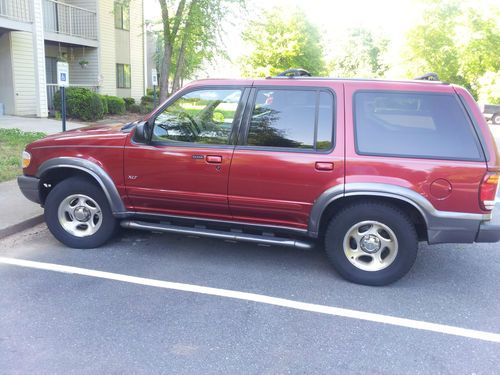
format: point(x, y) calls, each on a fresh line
point(78, 214)
point(371, 243)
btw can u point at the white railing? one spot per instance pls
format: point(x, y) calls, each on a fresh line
point(52, 88)
point(70, 20)
point(18, 10)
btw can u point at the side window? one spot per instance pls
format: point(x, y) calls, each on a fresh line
point(301, 119)
point(203, 116)
point(425, 125)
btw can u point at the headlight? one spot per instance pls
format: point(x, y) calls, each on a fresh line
point(26, 157)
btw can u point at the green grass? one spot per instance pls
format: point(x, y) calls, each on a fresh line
point(12, 143)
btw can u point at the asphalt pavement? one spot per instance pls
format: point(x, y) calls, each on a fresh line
point(55, 322)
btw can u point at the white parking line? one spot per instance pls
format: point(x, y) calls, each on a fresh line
point(282, 302)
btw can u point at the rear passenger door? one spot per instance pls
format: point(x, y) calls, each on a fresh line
point(290, 149)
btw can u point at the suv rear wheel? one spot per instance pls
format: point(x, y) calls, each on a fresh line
point(78, 214)
point(371, 243)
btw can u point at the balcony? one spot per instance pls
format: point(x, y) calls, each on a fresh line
point(69, 24)
point(17, 10)
point(15, 15)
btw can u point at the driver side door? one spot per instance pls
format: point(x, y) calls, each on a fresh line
point(184, 169)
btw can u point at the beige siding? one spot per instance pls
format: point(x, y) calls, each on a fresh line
point(6, 86)
point(23, 73)
point(107, 51)
point(137, 48)
point(89, 75)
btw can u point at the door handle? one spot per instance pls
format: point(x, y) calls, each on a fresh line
point(214, 159)
point(324, 166)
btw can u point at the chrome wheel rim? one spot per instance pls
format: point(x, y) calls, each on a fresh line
point(79, 215)
point(370, 246)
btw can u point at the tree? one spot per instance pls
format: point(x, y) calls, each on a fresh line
point(455, 42)
point(282, 40)
point(362, 55)
point(190, 35)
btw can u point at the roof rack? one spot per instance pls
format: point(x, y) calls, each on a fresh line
point(290, 73)
point(428, 77)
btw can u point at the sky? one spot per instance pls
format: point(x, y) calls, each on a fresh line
point(392, 18)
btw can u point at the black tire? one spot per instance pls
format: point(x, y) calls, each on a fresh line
point(72, 186)
point(387, 215)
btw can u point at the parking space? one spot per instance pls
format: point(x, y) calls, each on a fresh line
point(64, 321)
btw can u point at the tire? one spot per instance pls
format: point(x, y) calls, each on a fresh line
point(371, 243)
point(77, 213)
point(495, 119)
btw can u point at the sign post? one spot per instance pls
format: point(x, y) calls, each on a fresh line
point(63, 82)
point(154, 80)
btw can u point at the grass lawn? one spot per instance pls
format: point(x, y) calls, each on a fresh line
point(12, 143)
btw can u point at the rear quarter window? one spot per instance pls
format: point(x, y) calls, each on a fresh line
point(421, 125)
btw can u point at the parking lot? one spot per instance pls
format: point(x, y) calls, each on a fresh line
point(151, 310)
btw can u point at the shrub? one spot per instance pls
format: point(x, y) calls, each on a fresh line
point(81, 103)
point(146, 108)
point(128, 102)
point(147, 99)
point(134, 108)
point(116, 105)
point(104, 104)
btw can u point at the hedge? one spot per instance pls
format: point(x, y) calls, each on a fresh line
point(128, 102)
point(81, 103)
point(116, 105)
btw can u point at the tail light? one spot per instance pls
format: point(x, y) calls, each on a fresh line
point(488, 191)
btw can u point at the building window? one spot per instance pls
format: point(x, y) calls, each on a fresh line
point(122, 76)
point(122, 16)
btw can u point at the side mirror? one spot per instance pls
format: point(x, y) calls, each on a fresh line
point(142, 133)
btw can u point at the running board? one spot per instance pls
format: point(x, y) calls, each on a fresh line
point(225, 235)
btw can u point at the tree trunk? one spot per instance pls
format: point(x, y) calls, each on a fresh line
point(165, 72)
point(176, 85)
point(169, 36)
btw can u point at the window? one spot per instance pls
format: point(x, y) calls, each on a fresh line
point(51, 70)
point(122, 16)
point(122, 76)
point(203, 116)
point(425, 125)
point(300, 119)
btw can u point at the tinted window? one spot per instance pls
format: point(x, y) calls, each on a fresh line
point(325, 121)
point(288, 118)
point(414, 125)
point(204, 116)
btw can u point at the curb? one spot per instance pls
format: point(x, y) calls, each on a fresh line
point(19, 227)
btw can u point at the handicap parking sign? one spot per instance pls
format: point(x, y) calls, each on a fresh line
point(62, 74)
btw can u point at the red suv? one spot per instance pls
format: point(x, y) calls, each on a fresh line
point(368, 167)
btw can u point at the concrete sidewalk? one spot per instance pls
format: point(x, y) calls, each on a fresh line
point(17, 212)
point(30, 124)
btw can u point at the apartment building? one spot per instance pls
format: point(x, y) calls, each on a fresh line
point(103, 42)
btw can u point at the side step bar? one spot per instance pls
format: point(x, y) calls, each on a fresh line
point(225, 235)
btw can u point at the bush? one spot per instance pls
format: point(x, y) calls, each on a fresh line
point(116, 105)
point(134, 108)
point(104, 104)
point(146, 108)
point(147, 99)
point(81, 103)
point(128, 102)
